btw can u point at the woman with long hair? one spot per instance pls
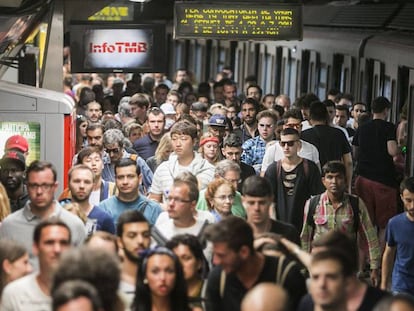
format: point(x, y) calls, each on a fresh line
point(189, 250)
point(162, 152)
point(14, 262)
point(209, 148)
point(220, 196)
point(161, 285)
point(81, 125)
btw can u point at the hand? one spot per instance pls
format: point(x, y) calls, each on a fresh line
point(374, 277)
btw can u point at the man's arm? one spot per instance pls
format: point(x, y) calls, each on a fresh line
point(347, 159)
point(268, 158)
point(155, 197)
point(306, 236)
point(355, 151)
point(392, 148)
point(387, 265)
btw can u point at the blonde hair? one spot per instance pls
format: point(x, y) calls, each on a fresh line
point(164, 149)
point(74, 209)
point(4, 203)
point(217, 157)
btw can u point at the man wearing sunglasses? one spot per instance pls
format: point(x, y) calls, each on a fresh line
point(292, 119)
point(294, 180)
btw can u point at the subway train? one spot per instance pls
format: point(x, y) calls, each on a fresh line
point(365, 49)
point(361, 47)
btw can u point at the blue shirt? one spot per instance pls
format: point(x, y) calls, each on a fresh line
point(103, 220)
point(253, 152)
point(145, 146)
point(108, 172)
point(115, 207)
point(399, 234)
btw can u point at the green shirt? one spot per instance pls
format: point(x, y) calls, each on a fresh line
point(237, 209)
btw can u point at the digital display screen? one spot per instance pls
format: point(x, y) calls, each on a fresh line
point(126, 48)
point(238, 21)
point(116, 48)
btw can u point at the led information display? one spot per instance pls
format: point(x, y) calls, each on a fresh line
point(238, 21)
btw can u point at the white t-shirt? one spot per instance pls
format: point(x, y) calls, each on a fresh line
point(25, 294)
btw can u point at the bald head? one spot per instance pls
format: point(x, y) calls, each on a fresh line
point(265, 297)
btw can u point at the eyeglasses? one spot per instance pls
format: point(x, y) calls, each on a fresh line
point(44, 187)
point(115, 150)
point(178, 200)
point(266, 125)
point(225, 197)
point(290, 143)
point(154, 109)
point(233, 180)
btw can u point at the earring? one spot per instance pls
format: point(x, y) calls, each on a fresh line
point(145, 281)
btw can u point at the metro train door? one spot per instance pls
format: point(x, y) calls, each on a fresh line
point(409, 162)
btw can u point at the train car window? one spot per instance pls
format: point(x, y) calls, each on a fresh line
point(323, 79)
point(198, 62)
point(285, 71)
point(294, 81)
point(378, 79)
point(178, 55)
point(387, 88)
point(298, 81)
point(375, 89)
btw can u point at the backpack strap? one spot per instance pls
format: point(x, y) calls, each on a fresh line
point(278, 168)
point(222, 283)
point(354, 201)
point(281, 273)
point(158, 236)
point(306, 167)
point(313, 203)
point(279, 269)
point(104, 190)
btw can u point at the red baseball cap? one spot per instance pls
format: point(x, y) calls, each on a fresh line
point(17, 142)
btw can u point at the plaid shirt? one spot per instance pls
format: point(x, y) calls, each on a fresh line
point(253, 152)
point(326, 218)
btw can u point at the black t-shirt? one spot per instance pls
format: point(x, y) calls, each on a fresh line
point(286, 230)
point(234, 290)
point(246, 171)
point(373, 160)
point(305, 185)
point(330, 142)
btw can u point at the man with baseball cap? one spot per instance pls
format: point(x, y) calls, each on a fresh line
point(217, 126)
point(12, 174)
point(17, 143)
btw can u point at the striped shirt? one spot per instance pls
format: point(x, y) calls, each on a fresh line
point(327, 218)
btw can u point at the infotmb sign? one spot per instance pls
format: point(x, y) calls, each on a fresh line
point(238, 21)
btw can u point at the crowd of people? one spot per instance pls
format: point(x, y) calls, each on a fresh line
point(206, 198)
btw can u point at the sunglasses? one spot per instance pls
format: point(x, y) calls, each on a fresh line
point(115, 150)
point(290, 143)
point(266, 125)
